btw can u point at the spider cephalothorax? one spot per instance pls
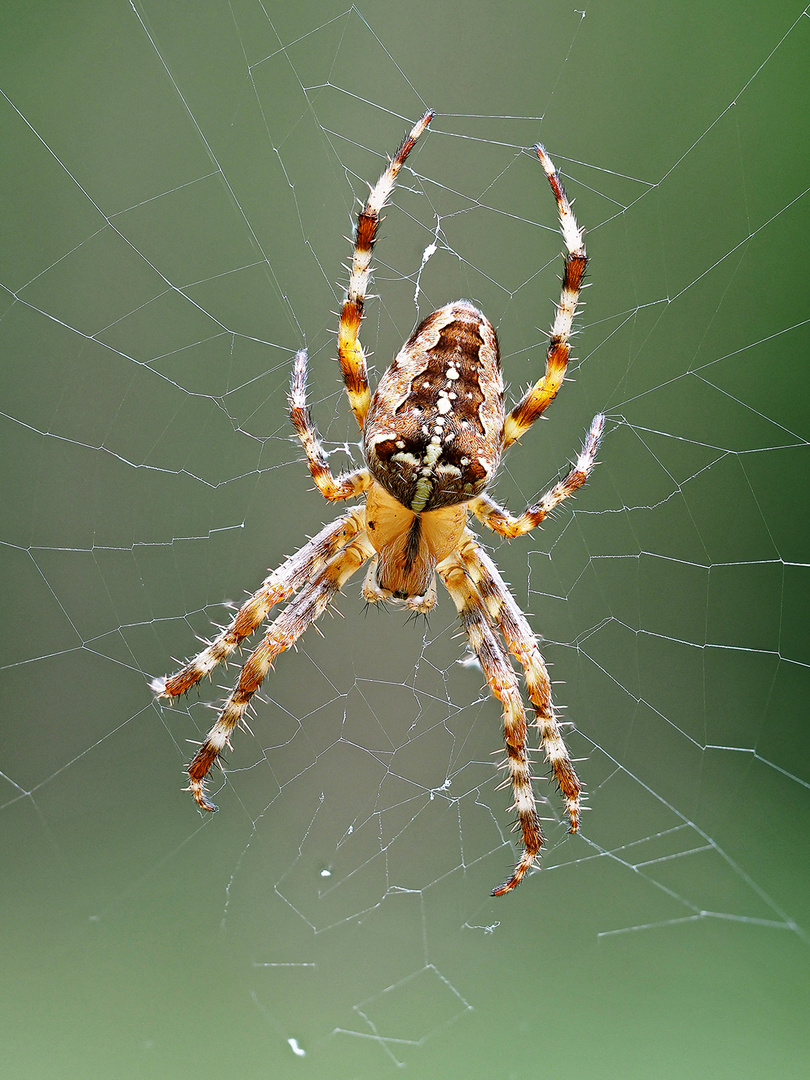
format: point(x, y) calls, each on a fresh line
point(433, 436)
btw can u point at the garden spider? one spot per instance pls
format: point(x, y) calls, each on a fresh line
point(433, 435)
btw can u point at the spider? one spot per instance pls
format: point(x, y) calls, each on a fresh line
point(433, 435)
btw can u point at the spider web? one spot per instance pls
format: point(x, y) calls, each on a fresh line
point(182, 178)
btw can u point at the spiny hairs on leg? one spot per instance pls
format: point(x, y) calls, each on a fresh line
point(345, 486)
point(350, 351)
point(276, 588)
point(284, 631)
point(538, 397)
point(503, 523)
point(500, 675)
point(522, 644)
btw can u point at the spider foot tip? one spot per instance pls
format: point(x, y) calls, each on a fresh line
point(202, 799)
point(545, 160)
point(507, 887)
point(597, 426)
point(158, 686)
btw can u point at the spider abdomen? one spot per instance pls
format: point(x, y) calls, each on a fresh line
point(435, 426)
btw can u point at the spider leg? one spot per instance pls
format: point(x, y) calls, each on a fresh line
point(522, 644)
point(350, 351)
point(503, 523)
point(277, 587)
point(284, 631)
point(501, 677)
point(346, 485)
point(538, 397)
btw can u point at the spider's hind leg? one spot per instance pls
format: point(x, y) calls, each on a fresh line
point(538, 397)
point(350, 351)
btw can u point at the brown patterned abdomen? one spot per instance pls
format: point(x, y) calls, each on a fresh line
point(434, 429)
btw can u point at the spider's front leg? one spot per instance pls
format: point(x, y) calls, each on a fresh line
point(277, 587)
point(522, 644)
point(284, 631)
point(500, 675)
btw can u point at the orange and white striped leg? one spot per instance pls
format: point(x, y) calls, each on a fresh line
point(538, 397)
point(522, 644)
point(346, 485)
point(500, 676)
point(502, 522)
point(285, 630)
point(350, 351)
point(276, 588)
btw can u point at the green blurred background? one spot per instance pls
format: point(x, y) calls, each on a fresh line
point(177, 184)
